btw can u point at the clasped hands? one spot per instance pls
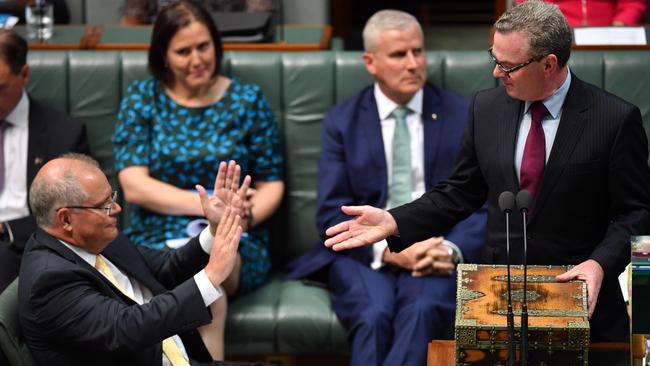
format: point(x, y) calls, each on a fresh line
point(425, 258)
point(224, 210)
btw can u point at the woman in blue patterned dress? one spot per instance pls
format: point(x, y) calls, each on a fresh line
point(174, 129)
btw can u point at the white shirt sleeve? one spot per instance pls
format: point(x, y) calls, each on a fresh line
point(209, 293)
point(378, 254)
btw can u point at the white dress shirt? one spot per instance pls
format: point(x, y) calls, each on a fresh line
point(142, 295)
point(13, 197)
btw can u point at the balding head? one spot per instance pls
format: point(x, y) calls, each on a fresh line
point(58, 184)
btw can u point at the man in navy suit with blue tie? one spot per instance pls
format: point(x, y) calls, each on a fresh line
point(385, 146)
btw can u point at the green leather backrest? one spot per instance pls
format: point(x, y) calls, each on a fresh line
point(300, 87)
point(12, 343)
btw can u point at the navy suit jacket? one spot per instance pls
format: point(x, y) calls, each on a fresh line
point(352, 168)
point(594, 194)
point(72, 315)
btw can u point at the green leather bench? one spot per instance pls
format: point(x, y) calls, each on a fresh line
point(289, 317)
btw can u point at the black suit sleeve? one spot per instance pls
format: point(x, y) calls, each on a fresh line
point(449, 202)
point(629, 194)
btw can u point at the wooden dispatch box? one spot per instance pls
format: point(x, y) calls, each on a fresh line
point(558, 324)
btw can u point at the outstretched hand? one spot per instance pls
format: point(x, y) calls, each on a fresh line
point(226, 193)
point(591, 272)
point(224, 247)
point(368, 226)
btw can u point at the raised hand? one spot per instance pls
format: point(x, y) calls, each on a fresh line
point(368, 226)
point(591, 272)
point(224, 247)
point(226, 193)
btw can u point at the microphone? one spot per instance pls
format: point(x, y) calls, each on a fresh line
point(507, 204)
point(524, 201)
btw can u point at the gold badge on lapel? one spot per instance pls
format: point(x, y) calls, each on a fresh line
point(434, 116)
point(38, 160)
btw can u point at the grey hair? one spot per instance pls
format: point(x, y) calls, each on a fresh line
point(384, 20)
point(544, 25)
point(46, 196)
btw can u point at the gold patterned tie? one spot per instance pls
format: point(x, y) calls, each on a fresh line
point(170, 348)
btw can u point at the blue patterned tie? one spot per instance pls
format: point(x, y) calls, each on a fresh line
point(400, 188)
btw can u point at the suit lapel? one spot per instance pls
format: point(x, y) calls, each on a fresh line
point(370, 125)
point(124, 255)
point(37, 141)
point(508, 125)
point(570, 129)
point(432, 134)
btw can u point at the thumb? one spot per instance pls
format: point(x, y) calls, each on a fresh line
point(567, 276)
point(203, 195)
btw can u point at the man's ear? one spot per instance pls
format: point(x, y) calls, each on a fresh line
point(62, 218)
point(369, 61)
point(550, 64)
point(24, 73)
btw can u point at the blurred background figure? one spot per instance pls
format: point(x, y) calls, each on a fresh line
point(144, 11)
point(601, 12)
point(17, 9)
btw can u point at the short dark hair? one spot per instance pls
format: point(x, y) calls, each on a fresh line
point(171, 18)
point(544, 25)
point(13, 50)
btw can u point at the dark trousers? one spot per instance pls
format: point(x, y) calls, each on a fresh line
point(390, 315)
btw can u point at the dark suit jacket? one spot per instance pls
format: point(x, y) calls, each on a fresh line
point(352, 168)
point(51, 133)
point(72, 315)
point(594, 194)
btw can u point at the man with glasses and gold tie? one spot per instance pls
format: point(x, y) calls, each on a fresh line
point(88, 296)
point(385, 146)
point(581, 152)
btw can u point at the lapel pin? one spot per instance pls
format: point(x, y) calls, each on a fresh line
point(434, 116)
point(38, 161)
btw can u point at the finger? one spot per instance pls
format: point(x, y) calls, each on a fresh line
point(245, 187)
point(221, 228)
point(353, 210)
point(422, 264)
point(335, 230)
point(235, 179)
point(251, 192)
point(203, 195)
point(442, 254)
point(230, 172)
point(348, 244)
point(220, 180)
point(442, 267)
point(232, 233)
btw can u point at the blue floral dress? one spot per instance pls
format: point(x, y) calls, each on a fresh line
point(183, 146)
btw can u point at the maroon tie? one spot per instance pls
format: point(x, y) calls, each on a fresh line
point(532, 163)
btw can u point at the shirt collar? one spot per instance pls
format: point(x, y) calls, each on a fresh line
point(554, 103)
point(385, 106)
point(18, 116)
point(87, 256)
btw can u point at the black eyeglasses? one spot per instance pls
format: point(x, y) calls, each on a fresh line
point(107, 208)
point(508, 70)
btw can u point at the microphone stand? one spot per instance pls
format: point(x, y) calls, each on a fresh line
point(511, 315)
point(524, 200)
point(506, 203)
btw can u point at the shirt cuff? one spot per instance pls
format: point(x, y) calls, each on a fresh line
point(206, 239)
point(458, 253)
point(209, 293)
point(378, 254)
